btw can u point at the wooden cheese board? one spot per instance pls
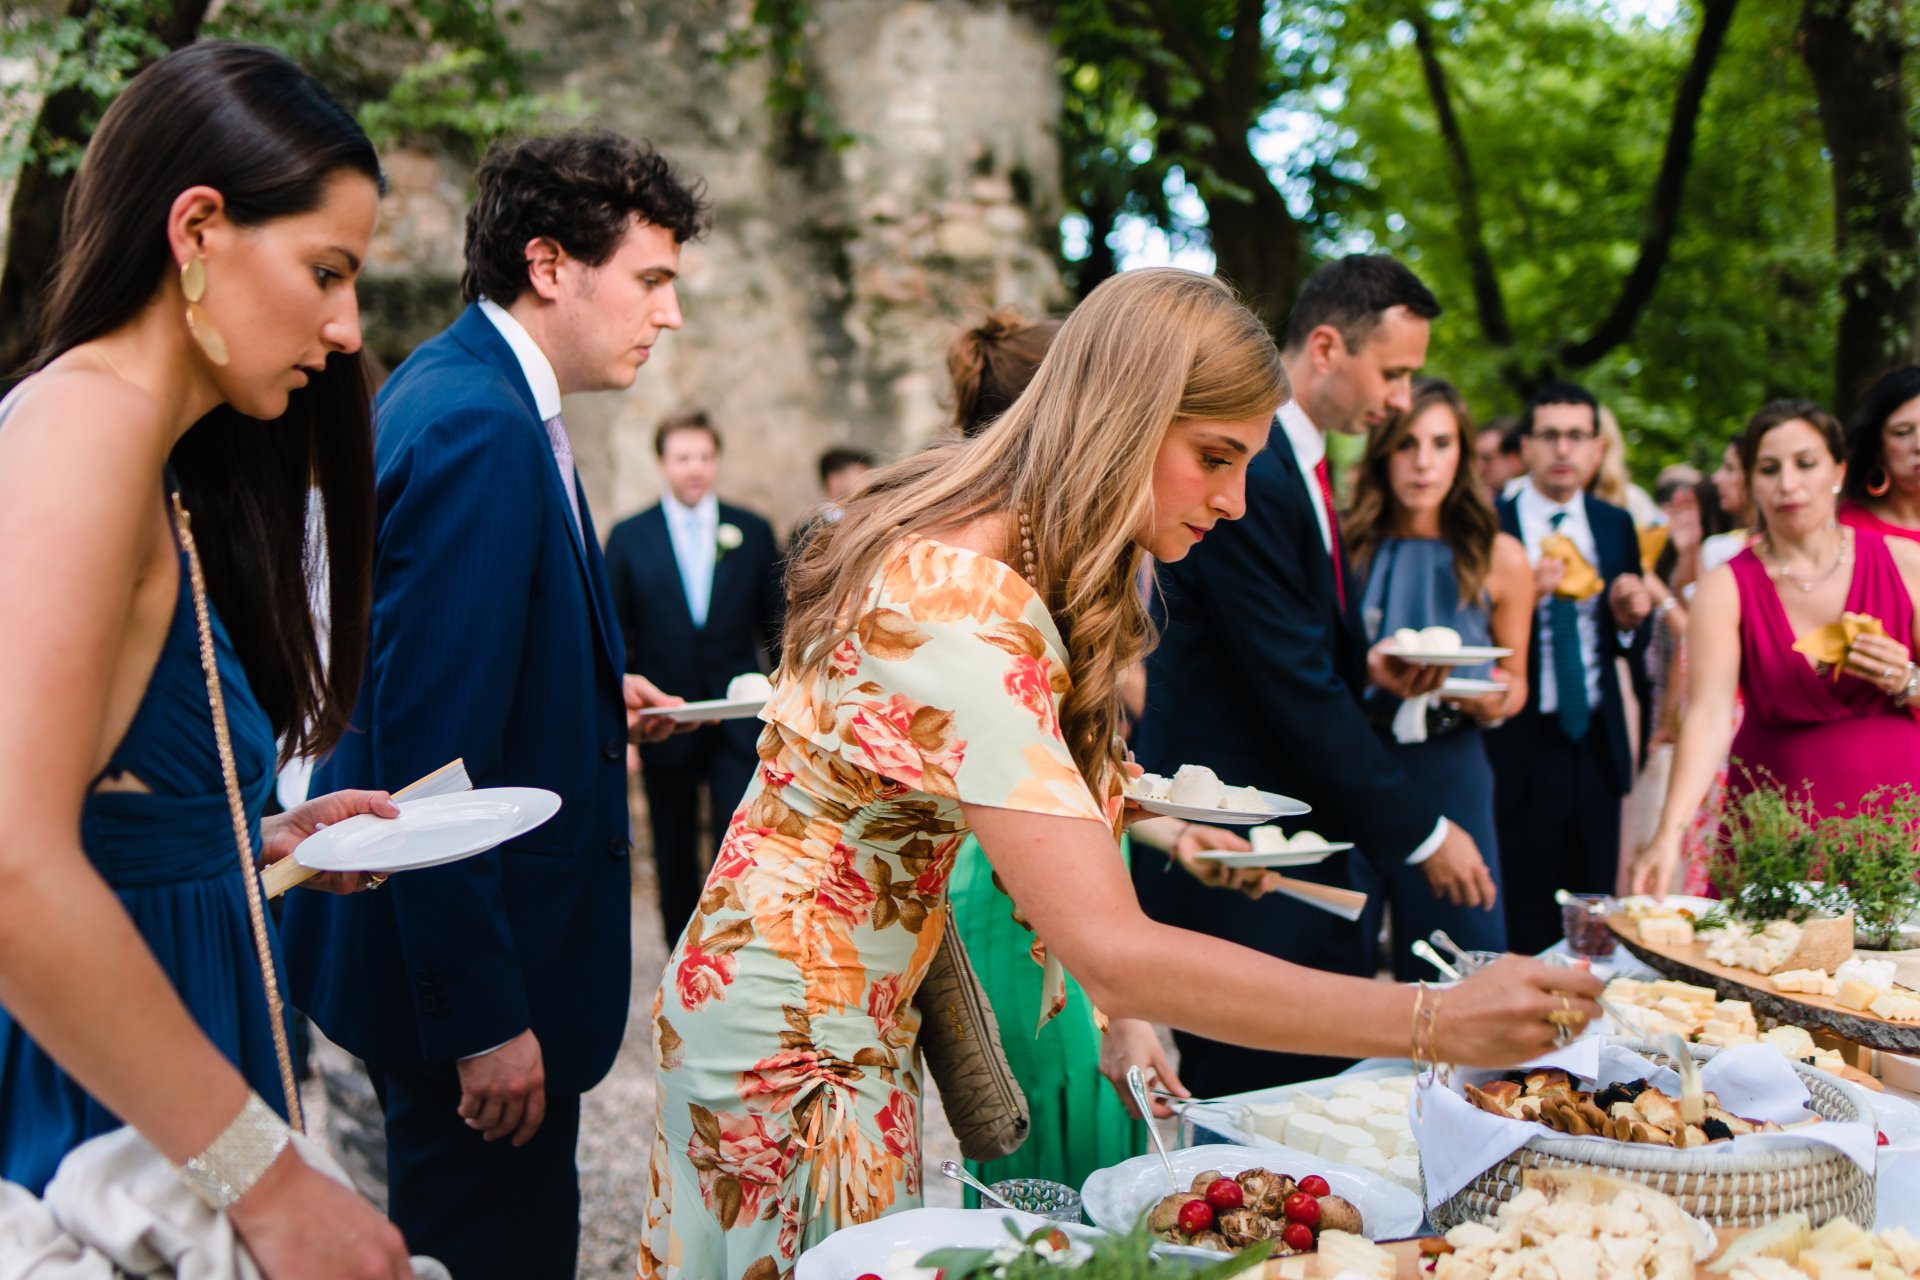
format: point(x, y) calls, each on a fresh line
point(1690, 964)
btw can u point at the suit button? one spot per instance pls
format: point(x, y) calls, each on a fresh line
point(619, 848)
point(613, 748)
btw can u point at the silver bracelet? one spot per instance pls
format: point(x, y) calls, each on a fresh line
point(235, 1161)
point(1911, 688)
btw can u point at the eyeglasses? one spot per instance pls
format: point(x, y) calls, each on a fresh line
point(1571, 439)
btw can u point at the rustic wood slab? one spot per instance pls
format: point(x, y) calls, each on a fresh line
point(1690, 964)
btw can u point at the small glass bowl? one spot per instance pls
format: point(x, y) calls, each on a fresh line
point(1473, 962)
point(1053, 1200)
point(1584, 921)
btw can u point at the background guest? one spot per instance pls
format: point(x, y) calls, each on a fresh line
point(840, 471)
point(1613, 478)
point(1729, 521)
point(1424, 539)
point(199, 354)
point(487, 995)
point(1838, 738)
point(1882, 485)
point(1496, 455)
point(697, 588)
point(990, 364)
point(1562, 765)
point(1263, 659)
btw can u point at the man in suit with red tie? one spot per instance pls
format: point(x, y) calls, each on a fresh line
point(1263, 659)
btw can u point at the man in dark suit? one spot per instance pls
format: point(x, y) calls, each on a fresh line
point(1562, 765)
point(1263, 659)
point(487, 995)
point(698, 590)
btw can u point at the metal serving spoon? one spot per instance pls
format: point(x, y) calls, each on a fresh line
point(954, 1170)
point(1137, 1086)
point(1424, 949)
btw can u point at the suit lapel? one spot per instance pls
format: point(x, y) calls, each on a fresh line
point(478, 335)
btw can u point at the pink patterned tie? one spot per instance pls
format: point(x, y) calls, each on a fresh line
point(563, 456)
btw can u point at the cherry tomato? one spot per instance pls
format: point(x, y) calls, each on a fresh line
point(1882, 1138)
point(1196, 1216)
point(1303, 1208)
point(1224, 1194)
point(1057, 1241)
point(1298, 1236)
point(1315, 1185)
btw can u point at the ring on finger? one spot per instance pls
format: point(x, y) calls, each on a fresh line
point(375, 881)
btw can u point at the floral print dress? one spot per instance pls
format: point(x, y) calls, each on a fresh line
point(789, 1100)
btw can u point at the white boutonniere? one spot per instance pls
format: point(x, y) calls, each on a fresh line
point(728, 538)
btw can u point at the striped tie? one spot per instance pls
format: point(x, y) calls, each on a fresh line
point(1569, 672)
point(563, 459)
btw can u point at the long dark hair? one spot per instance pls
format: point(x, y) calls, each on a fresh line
point(262, 132)
point(1866, 445)
point(1467, 522)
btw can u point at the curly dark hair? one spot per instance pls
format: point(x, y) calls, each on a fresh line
point(1866, 447)
point(580, 189)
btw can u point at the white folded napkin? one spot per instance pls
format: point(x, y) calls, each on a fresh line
point(115, 1208)
point(1458, 1141)
point(1410, 721)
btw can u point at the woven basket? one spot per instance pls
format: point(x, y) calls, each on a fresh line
point(1741, 1190)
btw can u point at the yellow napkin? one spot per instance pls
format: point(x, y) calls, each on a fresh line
point(1580, 581)
point(1653, 540)
point(1830, 644)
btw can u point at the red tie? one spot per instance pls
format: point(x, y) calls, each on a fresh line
point(1333, 529)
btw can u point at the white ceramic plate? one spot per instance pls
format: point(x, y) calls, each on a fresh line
point(429, 832)
point(1470, 687)
point(1115, 1197)
point(870, 1246)
point(1465, 656)
point(1279, 806)
point(712, 709)
point(1277, 858)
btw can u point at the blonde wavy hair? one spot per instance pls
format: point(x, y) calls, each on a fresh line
point(1076, 452)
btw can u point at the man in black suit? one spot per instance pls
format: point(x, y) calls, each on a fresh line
point(698, 591)
point(1263, 660)
point(1562, 764)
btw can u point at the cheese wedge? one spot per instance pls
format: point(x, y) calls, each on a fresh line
point(1666, 931)
point(1896, 1008)
point(1783, 1238)
point(1341, 1253)
point(1856, 994)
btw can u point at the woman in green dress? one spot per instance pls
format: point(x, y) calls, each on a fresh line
point(1079, 1124)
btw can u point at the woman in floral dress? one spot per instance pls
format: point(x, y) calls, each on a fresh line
point(928, 688)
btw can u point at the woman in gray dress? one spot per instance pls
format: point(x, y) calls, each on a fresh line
point(1432, 554)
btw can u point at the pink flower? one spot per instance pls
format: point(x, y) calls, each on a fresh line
point(777, 1079)
point(748, 1161)
point(881, 735)
point(702, 977)
point(898, 1128)
point(734, 858)
point(842, 889)
point(1029, 680)
point(883, 1004)
point(845, 657)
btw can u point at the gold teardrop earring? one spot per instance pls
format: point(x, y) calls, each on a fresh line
point(193, 285)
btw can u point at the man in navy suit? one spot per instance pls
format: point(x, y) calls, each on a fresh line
point(698, 591)
point(487, 995)
point(1263, 659)
point(1562, 765)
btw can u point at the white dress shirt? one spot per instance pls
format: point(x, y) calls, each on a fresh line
point(1536, 513)
point(538, 371)
point(695, 532)
point(1309, 447)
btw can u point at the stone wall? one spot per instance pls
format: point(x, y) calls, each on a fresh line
point(819, 309)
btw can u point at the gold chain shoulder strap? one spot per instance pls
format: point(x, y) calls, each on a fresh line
point(256, 904)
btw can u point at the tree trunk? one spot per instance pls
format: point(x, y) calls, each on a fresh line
point(33, 224)
point(1257, 245)
point(1853, 51)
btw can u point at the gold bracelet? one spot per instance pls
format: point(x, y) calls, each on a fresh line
point(1419, 1001)
point(236, 1160)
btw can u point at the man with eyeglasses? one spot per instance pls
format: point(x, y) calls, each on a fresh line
point(1562, 765)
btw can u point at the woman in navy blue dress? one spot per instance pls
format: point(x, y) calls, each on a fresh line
point(198, 354)
point(1430, 547)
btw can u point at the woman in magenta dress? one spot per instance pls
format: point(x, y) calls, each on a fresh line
point(1839, 734)
point(1882, 488)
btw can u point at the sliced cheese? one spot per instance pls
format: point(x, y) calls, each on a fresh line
point(1859, 995)
point(1666, 931)
point(1896, 1008)
point(1341, 1252)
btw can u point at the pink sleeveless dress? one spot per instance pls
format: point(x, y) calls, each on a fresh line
point(1840, 739)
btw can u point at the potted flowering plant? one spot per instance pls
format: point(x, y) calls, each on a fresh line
point(1872, 858)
